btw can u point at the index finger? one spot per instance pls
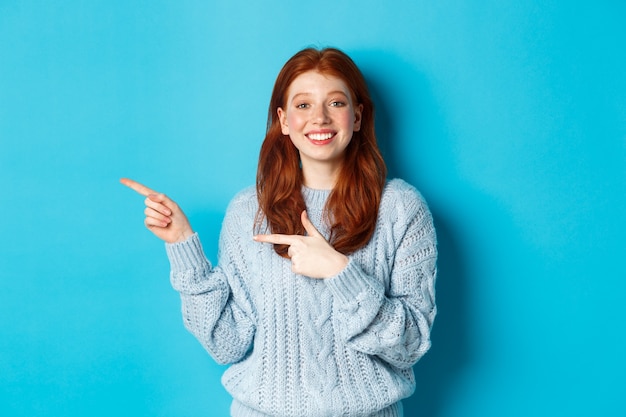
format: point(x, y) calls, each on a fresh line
point(309, 226)
point(277, 239)
point(140, 188)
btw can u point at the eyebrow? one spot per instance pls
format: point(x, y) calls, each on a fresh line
point(335, 92)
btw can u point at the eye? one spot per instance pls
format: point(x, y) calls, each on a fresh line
point(337, 104)
point(302, 106)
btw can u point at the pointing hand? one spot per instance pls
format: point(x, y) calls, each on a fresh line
point(310, 255)
point(163, 216)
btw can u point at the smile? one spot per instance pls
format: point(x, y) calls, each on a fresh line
point(320, 136)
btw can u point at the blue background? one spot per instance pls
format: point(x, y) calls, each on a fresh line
point(510, 118)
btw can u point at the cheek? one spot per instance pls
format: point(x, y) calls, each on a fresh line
point(347, 120)
point(295, 121)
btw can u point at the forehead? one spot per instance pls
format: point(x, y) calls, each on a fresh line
point(315, 82)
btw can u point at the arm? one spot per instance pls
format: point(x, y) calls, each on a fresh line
point(215, 302)
point(394, 324)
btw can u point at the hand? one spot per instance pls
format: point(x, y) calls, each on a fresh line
point(310, 255)
point(163, 216)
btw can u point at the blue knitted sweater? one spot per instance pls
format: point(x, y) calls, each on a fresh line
point(342, 346)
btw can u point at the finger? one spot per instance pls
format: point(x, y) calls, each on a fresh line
point(164, 220)
point(158, 203)
point(277, 239)
point(308, 226)
point(151, 222)
point(140, 188)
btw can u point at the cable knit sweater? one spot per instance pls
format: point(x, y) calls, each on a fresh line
point(342, 346)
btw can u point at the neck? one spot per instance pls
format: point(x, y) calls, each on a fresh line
point(320, 176)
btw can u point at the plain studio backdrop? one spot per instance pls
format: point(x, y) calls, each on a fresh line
point(510, 117)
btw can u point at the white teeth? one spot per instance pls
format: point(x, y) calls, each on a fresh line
point(320, 136)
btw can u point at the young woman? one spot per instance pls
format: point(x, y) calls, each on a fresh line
point(323, 296)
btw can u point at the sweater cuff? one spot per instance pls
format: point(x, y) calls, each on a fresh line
point(186, 255)
point(351, 286)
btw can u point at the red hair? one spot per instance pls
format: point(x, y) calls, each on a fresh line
point(352, 206)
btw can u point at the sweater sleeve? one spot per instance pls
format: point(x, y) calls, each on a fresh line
point(216, 304)
point(393, 323)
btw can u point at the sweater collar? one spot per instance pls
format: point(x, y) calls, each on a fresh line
point(315, 198)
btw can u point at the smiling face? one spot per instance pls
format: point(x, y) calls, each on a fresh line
point(320, 117)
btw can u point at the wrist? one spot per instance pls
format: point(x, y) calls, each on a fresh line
point(184, 235)
point(340, 263)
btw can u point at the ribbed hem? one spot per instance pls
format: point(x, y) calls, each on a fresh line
point(238, 409)
point(352, 284)
point(186, 255)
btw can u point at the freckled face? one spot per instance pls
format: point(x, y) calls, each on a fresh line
point(320, 118)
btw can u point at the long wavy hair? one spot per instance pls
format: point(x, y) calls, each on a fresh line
point(352, 207)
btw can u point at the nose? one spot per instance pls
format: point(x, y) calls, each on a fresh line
point(320, 115)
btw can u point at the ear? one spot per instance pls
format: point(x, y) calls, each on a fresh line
point(282, 117)
point(358, 111)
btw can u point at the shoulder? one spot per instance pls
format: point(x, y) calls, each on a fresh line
point(245, 198)
point(405, 215)
point(242, 209)
point(403, 199)
point(403, 210)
